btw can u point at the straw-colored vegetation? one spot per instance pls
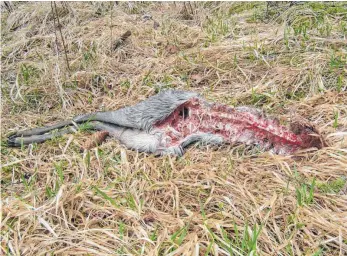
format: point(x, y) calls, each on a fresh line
point(289, 60)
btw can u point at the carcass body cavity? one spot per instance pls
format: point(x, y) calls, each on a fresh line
point(234, 125)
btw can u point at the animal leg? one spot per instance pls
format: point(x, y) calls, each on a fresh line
point(39, 135)
point(173, 150)
point(131, 138)
point(203, 138)
point(46, 129)
point(14, 141)
point(41, 130)
point(113, 130)
point(146, 142)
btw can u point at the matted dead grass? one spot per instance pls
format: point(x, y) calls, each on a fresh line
point(288, 60)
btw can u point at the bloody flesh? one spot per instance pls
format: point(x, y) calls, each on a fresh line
point(235, 125)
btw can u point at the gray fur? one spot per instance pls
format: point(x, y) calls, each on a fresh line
point(131, 138)
point(144, 114)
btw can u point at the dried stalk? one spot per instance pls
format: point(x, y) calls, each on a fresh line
point(62, 38)
point(111, 43)
point(55, 31)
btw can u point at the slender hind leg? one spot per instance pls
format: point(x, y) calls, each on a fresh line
point(14, 141)
point(39, 135)
point(131, 138)
point(203, 138)
point(41, 130)
point(46, 129)
point(138, 139)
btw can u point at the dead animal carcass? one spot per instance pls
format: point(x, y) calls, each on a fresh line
point(170, 121)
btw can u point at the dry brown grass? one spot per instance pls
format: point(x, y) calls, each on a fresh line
point(113, 201)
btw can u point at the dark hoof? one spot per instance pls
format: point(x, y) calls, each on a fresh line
point(11, 141)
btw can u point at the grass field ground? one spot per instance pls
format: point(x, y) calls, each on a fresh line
point(63, 59)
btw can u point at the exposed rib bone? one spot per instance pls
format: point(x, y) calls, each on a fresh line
point(238, 125)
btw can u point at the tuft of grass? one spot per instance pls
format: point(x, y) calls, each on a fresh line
point(340, 82)
point(334, 186)
point(28, 74)
point(237, 8)
point(216, 27)
point(86, 126)
point(108, 198)
point(260, 99)
point(178, 236)
point(336, 119)
point(319, 252)
point(337, 61)
point(89, 56)
point(246, 243)
point(305, 194)
point(59, 169)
